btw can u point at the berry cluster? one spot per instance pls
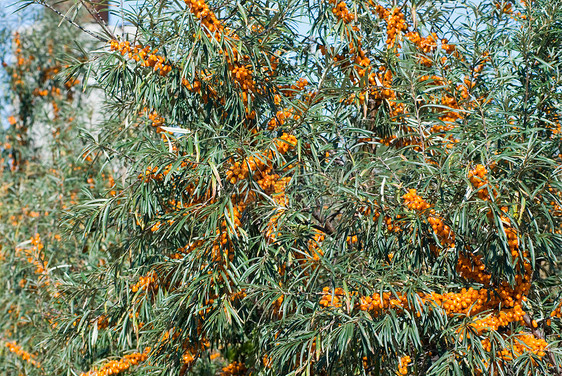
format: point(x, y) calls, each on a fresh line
point(425, 45)
point(331, 299)
point(201, 10)
point(472, 268)
point(341, 11)
point(414, 202)
point(150, 174)
point(499, 319)
point(195, 87)
point(443, 231)
point(557, 311)
point(188, 248)
point(285, 143)
point(114, 367)
point(102, 322)
point(240, 73)
point(35, 255)
point(523, 343)
point(21, 61)
point(504, 302)
point(243, 76)
point(19, 351)
point(40, 93)
point(260, 167)
point(157, 121)
point(447, 47)
point(290, 91)
point(381, 92)
point(314, 246)
point(377, 303)
point(145, 282)
point(448, 117)
point(504, 7)
point(556, 206)
point(234, 369)
point(146, 55)
point(280, 118)
point(395, 24)
point(478, 179)
point(191, 352)
point(403, 366)
point(238, 295)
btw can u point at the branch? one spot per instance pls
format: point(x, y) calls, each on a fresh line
point(540, 335)
point(326, 224)
point(96, 16)
point(64, 17)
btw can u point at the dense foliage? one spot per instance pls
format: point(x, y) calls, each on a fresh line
point(285, 187)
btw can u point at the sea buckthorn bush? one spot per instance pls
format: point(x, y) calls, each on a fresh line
point(286, 188)
point(43, 172)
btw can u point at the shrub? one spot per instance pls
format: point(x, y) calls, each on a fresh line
point(305, 188)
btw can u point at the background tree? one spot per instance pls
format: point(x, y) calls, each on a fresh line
point(43, 174)
point(328, 188)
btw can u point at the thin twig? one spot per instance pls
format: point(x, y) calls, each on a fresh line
point(64, 17)
point(325, 223)
point(540, 335)
point(96, 16)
